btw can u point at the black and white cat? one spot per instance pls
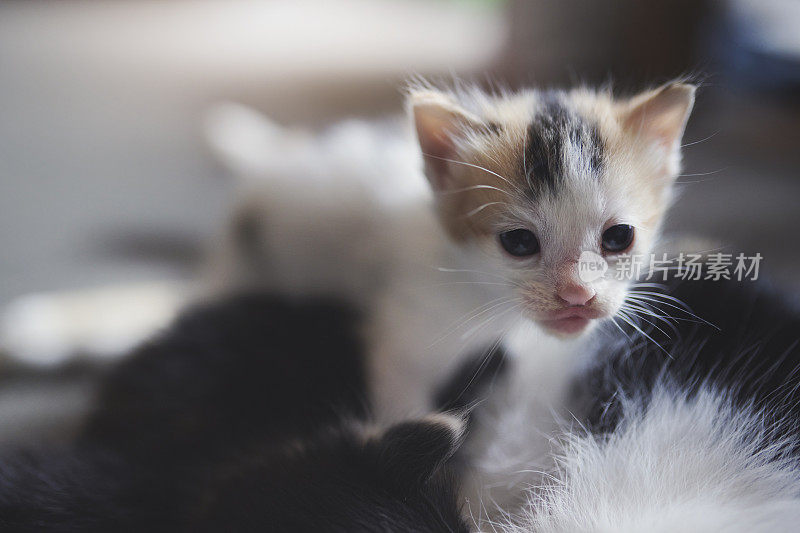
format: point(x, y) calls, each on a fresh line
point(699, 434)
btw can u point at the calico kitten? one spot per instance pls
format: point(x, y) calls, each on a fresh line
point(481, 249)
point(521, 185)
point(525, 183)
point(248, 414)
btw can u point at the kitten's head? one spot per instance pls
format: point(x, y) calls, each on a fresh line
point(536, 179)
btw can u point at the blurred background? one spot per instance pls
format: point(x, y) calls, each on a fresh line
point(105, 178)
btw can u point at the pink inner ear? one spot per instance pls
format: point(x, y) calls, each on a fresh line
point(434, 131)
point(662, 116)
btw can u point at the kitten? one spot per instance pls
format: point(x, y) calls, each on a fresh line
point(524, 183)
point(236, 418)
point(519, 186)
point(481, 248)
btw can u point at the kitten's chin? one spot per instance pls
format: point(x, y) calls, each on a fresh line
point(568, 327)
point(570, 322)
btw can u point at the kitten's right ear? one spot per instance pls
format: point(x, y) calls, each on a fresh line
point(438, 120)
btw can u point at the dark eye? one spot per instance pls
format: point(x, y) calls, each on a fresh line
point(617, 238)
point(519, 242)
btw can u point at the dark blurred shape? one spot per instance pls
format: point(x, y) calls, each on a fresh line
point(758, 45)
point(627, 41)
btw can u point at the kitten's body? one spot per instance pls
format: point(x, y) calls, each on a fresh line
point(362, 227)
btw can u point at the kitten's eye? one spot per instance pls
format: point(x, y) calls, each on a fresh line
point(519, 242)
point(617, 238)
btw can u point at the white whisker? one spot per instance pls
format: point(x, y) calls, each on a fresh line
point(481, 208)
point(472, 188)
point(479, 168)
point(629, 320)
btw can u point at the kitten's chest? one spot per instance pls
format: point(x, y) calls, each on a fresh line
point(422, 332)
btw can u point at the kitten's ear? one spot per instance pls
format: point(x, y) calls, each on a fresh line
point(412, 452)
point(661, 114)
point(438, 120)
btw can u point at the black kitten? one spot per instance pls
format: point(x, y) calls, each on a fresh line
point(247, 415)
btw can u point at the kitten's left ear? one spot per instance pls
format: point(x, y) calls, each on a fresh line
point(661, 114)
point(438, 120)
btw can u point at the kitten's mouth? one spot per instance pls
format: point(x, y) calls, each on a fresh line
point(569, 321)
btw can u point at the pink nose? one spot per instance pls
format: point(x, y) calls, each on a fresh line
point(575, 294)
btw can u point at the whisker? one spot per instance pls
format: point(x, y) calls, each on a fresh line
point(472, 188)
point(703, 173)
point(481, 208)
point(681, 305)
point(466, 283)
point(479, 168)
point(629, 320)
point(641, 317)
point(650, 307)
point(613, 321)
point(701, 140)
point(472, 332)
point(475, 313)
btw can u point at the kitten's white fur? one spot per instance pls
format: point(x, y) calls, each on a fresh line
point(677, 464)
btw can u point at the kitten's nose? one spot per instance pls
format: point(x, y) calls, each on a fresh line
point(576, 294)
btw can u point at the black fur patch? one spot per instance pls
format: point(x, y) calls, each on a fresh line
point(65, 490)
point(754, 356)
point(470, 382)
point(551, 130)
point(333, 483)
point(413, 452)
point(249, 367)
